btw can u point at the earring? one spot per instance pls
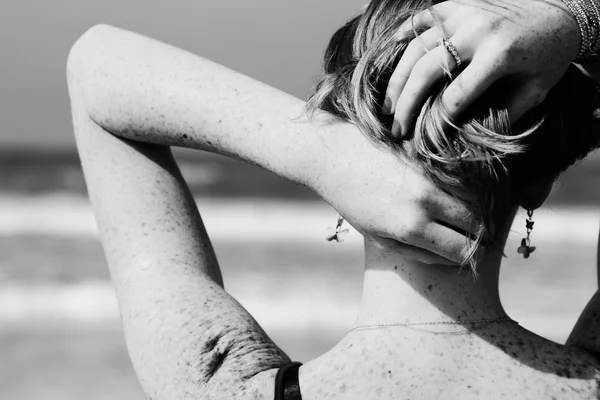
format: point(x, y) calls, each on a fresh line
point(526, 248)
point(337, 234)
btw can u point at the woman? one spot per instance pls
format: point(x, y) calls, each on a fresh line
point(426, 328)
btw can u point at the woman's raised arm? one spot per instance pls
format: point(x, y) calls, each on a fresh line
point(187, 338)
point(141, 89)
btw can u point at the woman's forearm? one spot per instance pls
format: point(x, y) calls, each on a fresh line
point(142, 89)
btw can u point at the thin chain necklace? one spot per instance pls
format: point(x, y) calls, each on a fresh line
point(417, 324)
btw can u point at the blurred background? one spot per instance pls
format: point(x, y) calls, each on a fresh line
point(60, 336)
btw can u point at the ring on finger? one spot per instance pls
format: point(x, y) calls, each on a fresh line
point(451, 49)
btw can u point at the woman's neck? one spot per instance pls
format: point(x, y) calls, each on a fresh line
point(399, 289)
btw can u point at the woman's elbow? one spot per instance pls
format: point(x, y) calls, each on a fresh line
point(84, 55)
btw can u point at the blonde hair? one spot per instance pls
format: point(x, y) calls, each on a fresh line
point(481, 152)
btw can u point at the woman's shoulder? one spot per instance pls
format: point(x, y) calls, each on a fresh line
point(544, 371)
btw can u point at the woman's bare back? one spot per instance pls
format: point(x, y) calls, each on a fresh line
point(494, 364)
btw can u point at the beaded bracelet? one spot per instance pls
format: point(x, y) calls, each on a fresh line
point(592, 10)
point(587, 15)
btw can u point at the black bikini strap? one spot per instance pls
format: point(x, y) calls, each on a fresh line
point(287, 386)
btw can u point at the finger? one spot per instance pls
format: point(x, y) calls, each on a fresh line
point(436, 15)
point(417, 22)
point(429, 70)
point(453, 212)
point(415, 50)
point(526, 98)
point(443, 241)
point(470, 84)
point(407, 250)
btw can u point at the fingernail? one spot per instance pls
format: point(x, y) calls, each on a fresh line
point(396, 129)
point(387, 106)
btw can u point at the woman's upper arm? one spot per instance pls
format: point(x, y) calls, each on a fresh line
point(143, 89)
point(184, 333)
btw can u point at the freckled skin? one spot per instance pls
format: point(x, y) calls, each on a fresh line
point(187, 338)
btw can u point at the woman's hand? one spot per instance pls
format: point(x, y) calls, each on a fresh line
point(382, 195)
point(528, 44)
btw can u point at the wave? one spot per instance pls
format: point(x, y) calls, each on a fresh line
point(35, 173)
point(252, 219)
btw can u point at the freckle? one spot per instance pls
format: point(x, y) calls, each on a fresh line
point(395, 267)
point(185, 136)
point(430, 287)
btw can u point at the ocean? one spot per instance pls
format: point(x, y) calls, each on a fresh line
point(60, 335)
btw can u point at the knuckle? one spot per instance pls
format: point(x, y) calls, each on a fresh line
point(510, 52)
point(422, 197)
point(491, 24)
point(414, 228)
point(506, 49)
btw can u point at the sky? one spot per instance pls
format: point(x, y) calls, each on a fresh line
point(279, 42)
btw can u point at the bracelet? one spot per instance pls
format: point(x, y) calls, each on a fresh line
point(587, 15)
point(593, 13)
